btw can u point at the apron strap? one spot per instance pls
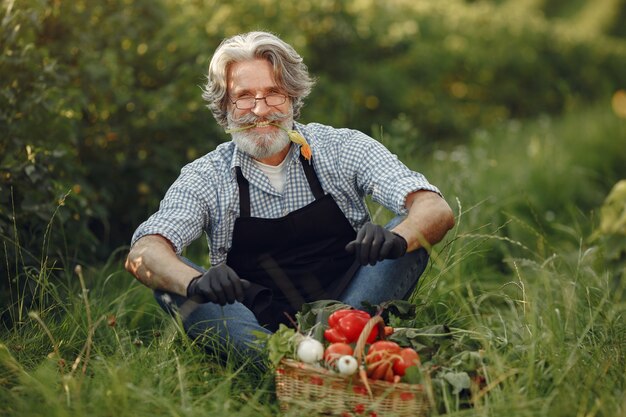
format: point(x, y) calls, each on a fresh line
point(311, 177)
point(244, 194)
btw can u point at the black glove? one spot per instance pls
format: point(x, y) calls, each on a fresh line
point(374, 243)
point(220, 285)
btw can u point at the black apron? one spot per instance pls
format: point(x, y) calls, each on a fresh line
point(294, 259)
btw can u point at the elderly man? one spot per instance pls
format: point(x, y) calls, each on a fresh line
point(282, 206)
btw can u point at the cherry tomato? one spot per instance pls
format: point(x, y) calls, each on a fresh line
point(336, 350)
point(408, 357)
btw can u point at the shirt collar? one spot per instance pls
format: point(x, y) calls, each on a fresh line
point(253, 173)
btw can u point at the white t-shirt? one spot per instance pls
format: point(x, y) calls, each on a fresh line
point(276, 174)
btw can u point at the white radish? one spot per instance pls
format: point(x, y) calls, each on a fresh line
point(347, 365)
point(310, 350)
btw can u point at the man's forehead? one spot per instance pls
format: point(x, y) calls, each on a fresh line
point(255, 75)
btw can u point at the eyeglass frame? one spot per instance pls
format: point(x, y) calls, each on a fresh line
point(264, 98)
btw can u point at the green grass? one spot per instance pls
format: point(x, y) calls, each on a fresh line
point(519, 272)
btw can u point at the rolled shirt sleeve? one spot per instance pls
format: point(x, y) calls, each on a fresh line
point(183, 213)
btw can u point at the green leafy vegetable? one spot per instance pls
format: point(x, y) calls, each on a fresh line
point(402, 309)
point(426, 340)
point(458, 380)
point(282, 343)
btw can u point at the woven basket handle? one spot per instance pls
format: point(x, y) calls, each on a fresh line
point(359, 349)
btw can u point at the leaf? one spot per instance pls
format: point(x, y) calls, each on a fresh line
point(467, 361)
point(280, 344)
point(413, 375)
point(402, 309)
point(425, 340)
point(313, 317)
point(458, 380)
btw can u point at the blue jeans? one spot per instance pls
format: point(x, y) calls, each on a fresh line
point(231, 327)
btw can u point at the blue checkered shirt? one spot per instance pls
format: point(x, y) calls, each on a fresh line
point(348, 163)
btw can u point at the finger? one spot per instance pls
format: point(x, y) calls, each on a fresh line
point(387, 246)
point(228, 288)
point(377, 243)
point(374, 241)
point(356, 246)
point(364, 248)
point(245, 284)
point(216, 287)
point(208, 295)
point(374, 253)
point(385, 249)
point(203, 289)
point(237, 287)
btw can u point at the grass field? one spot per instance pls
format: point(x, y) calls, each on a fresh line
point(519, 271)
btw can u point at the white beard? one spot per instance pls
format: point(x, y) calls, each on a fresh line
point(260, 146)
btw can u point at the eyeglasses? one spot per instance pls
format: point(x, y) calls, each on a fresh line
point(249, 102)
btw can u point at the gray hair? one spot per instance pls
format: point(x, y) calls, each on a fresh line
point(290, 72)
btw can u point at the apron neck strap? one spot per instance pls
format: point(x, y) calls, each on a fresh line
point(311, 177)
point(244, 194)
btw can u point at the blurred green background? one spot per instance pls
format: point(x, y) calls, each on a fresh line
point(100, 101)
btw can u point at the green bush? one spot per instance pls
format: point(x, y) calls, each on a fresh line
point(39, 169)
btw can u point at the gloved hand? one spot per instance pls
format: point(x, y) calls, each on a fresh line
point(220, 285)
point(374, 243)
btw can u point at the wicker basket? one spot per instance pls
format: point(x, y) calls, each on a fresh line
point(301, 387)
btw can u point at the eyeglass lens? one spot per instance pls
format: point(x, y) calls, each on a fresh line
point(246, 103)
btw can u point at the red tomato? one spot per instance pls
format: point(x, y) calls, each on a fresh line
point(380, 358)
point(408, 357)
point(376, 370)
point(337, 350)
point(384, 345)
point(333, 335)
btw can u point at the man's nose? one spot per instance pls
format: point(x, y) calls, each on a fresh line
point(260, 107)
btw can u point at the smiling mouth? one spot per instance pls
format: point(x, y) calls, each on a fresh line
point(253, 126)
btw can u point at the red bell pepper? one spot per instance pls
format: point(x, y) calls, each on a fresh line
point(346, 326)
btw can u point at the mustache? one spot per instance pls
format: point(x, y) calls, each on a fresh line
point(251, 118)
